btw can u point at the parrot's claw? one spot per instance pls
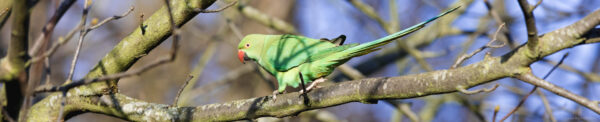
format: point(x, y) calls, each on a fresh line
point(313, 85)
point(275, 94)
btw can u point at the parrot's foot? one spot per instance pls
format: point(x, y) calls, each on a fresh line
point(313, 85)
point(275, 94)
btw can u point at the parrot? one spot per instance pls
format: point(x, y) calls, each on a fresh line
point(297, 60)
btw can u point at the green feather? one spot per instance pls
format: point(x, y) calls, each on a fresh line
point(285, 56)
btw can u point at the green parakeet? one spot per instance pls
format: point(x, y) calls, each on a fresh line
point(288, 56)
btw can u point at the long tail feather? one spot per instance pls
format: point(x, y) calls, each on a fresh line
point(371, 46)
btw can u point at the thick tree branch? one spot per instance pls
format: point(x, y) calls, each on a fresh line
point(12, 66)
point(364, 90)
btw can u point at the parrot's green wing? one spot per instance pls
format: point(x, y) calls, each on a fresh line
point(288, 51)
point(326, 52)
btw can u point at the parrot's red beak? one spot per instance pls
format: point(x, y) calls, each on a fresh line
point(241, 56)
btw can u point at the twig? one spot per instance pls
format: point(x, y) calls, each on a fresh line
point(499, 21)
point(496, 109)
point(463, 90)
point(102, 78)
point(114, 17)
point(535, 6)
point(142, 26)
point(198, 70)
point(272, 22)
point(181, 90)
point(216, 10)
point(47, 69)
point(462, 58)
point(4, 11)
point(62, 41)
point(4, 15)
point(534, 89)
point(482, 27)
point(82, 34)
point(530, 24)
point(235, 29)
point(405, 108)
point(7, 116)
point(174, 29)
point(224, 81)
point(393, 13)
point(370, 12)
point(589, 76)
point(351, 72)
point(49, 27)
point(546, 105)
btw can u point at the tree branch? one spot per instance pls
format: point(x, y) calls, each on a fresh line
point(532, 38)
point(275, 23)
point(12, 66)
point(532, 79)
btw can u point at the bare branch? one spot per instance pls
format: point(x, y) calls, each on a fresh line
point(462, 58)
point(6, 116)
point(176, 100)
point(62, 41)
point(235, 29)
point(589, 76)
point(216, 10)
point(496, 109)
point(405, 108)
point(49, 27)
point(505, 32)
point(536, 5)
point(115, 17)
point(370, 12)
point(197, 71)
point(534, 89)
point(5, 11)
point(275, 23)
point(102, 78)
point(532, 38)
point(82, 34)
point(532, 79)
point(546, 105)
point(174, 30)
point(142, 26)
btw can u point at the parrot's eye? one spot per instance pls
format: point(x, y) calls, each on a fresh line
point(247, 45)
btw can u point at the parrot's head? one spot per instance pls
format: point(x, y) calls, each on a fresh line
point(250, 47)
